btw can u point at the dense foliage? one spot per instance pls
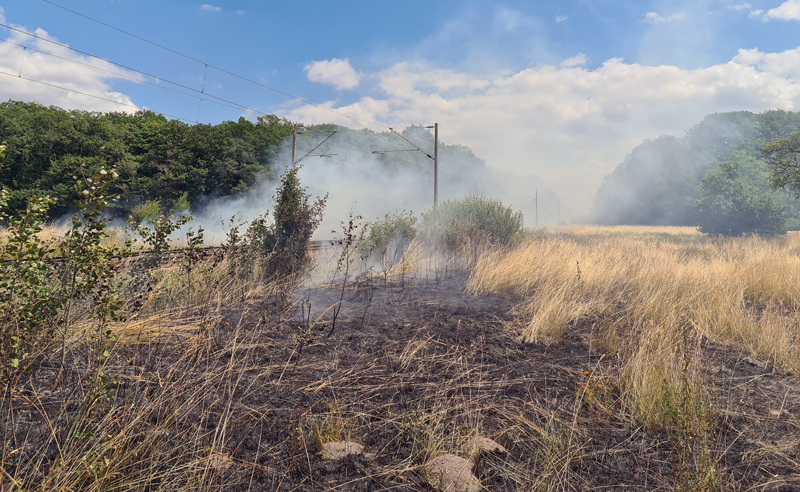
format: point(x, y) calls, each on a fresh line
point(453, 224)
point(659, 183)
point(736, 199)
point(283, 239)
point(782, 156)
point(157, 159)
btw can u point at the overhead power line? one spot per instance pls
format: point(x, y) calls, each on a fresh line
point(16, 76)
point(209, 65)
point(216, 99)
point(205, 97)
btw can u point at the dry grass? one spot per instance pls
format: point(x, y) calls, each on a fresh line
point(742, 292)
point(225, 389)
point(658, 293)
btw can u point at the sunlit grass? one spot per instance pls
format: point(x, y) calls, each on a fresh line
point(664, 288)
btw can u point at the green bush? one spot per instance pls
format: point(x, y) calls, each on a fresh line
point(454, 224)
point(393, 233)
point(281, 242)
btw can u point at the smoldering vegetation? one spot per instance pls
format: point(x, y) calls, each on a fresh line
point(371, 174)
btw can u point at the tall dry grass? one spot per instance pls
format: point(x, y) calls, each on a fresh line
point(662, 289)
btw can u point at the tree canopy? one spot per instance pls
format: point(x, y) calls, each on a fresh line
point(717, 165)
point(736, 198)
point(157, 158)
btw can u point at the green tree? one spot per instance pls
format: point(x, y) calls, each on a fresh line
point(736, 199)
point(783, 157)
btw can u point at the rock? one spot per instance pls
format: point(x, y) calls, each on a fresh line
point(220, 461)
point(452, 474)
point(339, 449)
point(481, 445)
point(755, 362)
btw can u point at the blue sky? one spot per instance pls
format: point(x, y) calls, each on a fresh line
point(560, 89)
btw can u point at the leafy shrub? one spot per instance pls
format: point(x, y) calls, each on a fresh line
point(454, 224)
point(393, 233)
point(39, 298)
point(155, 228)
point(27, 303)
point(280, 241)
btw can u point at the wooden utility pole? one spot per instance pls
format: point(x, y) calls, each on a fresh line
point(436, 164)
point(536, 223)
point(294, 146)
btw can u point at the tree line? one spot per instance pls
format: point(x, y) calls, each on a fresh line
point(157, 159)
point(733, 173)
point(181, 167)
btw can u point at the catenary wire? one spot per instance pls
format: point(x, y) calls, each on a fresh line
point(225, 102)
point(230, 104)
point(297, 98)
point(206, 65)
point(89, 95)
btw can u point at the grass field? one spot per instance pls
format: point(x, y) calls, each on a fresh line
point(602, 359)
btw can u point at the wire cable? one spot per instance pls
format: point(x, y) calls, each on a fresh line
point(297, 98)
point(205, 69)
point(89, 95)
point(315, 148)
point(229, 104)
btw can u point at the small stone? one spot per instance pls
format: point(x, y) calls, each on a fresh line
point(452, 474)
point(481, 445)
point(220, 461)
point(339, 449)
point(755, 362)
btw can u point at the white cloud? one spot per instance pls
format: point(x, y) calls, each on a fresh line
point(335, 72)
point(60, 72)
point(788, 10)
point(655, 17)
point(740, 6)
point(210, 8)
point(567, 124)
point(240, 12)
point(755, 14)
point(561, 18)
point(575, 61)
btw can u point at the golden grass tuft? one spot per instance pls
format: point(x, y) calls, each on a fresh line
point(736, 291)
point(657, 293)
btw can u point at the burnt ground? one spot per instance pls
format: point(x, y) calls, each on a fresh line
point(412, 370)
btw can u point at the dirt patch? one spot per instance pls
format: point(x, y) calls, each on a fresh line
point(450, 473)
point(414, 370)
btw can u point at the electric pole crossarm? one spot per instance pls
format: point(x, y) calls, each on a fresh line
point(318, 145)
point(412, 143)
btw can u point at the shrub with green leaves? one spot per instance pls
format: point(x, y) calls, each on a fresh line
point(40, 298)
point(155, 228)
point(282, 241)
point(454, 224)
point(27, 301)
point(393, 233)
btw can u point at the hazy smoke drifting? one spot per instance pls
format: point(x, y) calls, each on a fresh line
point(372, 185)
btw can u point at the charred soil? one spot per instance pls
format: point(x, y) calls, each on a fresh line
point(411, 370)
